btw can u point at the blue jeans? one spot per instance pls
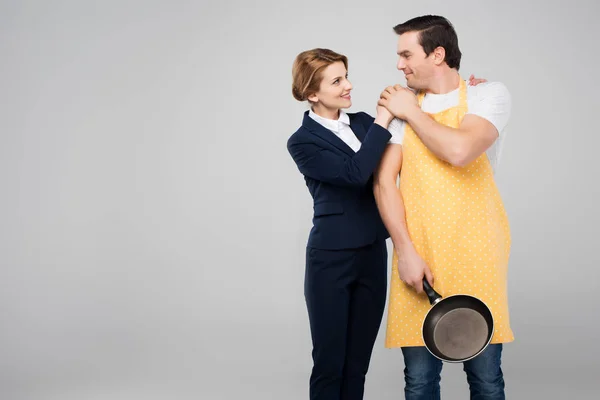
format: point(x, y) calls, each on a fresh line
point(422, 374)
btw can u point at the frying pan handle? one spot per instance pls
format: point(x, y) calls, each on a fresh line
point(434, 296)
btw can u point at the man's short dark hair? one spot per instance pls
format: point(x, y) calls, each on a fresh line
point(434, 31)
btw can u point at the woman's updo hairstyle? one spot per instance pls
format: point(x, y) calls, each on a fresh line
point(308, 68)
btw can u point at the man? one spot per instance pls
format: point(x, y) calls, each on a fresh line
point(447, 222)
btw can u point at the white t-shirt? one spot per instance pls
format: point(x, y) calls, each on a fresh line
point(490, 100)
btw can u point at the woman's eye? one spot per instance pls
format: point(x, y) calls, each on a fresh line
point(336, 81)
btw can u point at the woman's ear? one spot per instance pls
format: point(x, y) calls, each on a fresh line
point(313, 98)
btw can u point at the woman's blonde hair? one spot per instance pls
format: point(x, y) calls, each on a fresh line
point(308, 68)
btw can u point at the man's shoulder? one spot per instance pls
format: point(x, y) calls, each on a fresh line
point(489, 90)
point(492, 101)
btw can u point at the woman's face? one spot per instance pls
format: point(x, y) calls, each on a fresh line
point(334, 91)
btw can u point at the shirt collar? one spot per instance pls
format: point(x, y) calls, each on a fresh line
point(331, 124)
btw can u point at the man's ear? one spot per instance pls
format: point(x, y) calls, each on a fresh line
point(439, 55)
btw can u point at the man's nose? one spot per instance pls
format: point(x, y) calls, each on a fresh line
point(401, 65)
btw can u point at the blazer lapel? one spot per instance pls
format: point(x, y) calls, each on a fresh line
point(357, 128)
point(326, 134)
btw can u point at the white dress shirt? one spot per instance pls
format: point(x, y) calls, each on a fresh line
point(340, 127)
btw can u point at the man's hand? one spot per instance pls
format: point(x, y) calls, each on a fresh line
point(399, 100)
point(412, 268)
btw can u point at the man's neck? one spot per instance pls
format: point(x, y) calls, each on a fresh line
point(445, 81)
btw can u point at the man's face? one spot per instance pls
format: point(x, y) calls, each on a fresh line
point(417, 67)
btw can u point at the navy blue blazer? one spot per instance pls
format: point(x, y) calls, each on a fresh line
point(340, 181)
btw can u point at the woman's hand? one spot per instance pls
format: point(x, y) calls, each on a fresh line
point(476, 81)
point(384, 116)
point(399, 100)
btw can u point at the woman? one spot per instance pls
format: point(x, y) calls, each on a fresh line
point(346, 254)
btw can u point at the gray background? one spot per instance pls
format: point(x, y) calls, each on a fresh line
point(153, 224)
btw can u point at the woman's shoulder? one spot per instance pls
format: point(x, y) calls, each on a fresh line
point(301, 135)
point(363, 118)
point(360, 114)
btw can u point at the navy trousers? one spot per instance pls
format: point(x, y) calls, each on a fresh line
point(345, 293)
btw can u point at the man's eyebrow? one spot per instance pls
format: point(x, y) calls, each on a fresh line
point(404, 53)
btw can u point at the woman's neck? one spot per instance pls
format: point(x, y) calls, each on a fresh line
point(329, 113)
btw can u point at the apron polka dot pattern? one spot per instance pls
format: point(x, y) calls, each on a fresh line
point(458, 225)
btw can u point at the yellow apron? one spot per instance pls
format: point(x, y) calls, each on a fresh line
point(458, 225)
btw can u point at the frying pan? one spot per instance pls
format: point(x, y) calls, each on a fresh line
point(456, 328)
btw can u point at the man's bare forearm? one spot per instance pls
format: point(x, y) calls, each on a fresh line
point(445, 142)
point(391, 208)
